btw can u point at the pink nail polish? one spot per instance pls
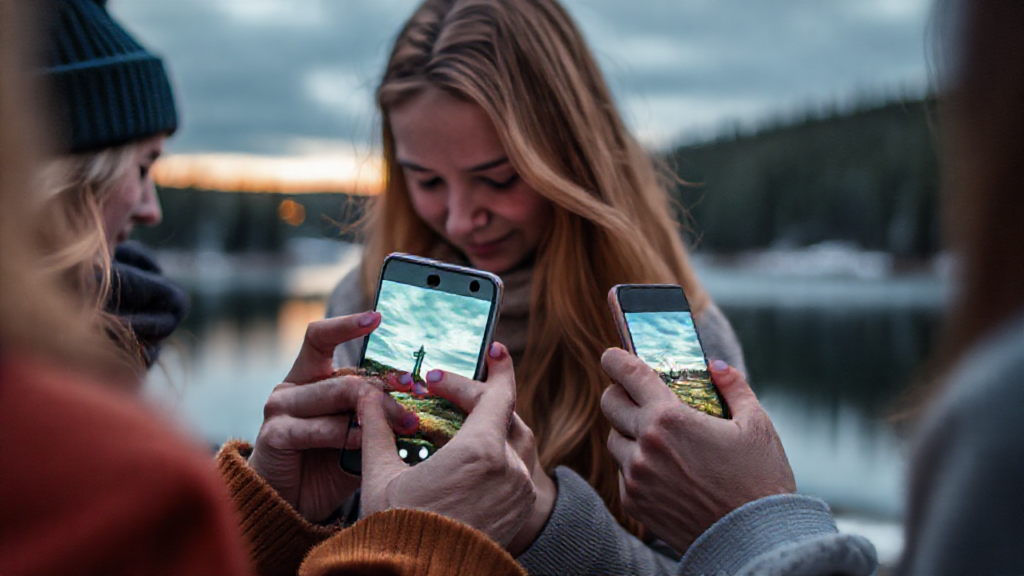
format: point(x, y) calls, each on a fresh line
point(434, 376)
point(495, 351)
point(405, 379)
point(367, 319)
point(719, 366)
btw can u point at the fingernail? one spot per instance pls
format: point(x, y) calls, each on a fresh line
point(434, 376)
point(495, 351)
point(405, 379)
point(368, 318)
point(719, 366)
point(419, 389)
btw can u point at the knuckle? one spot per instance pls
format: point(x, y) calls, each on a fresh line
point(272, 435)
point(630, 483)
point(666, 417)
point(275, 406)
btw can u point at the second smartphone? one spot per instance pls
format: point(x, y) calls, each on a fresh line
point(655, 323)
point(433, 316)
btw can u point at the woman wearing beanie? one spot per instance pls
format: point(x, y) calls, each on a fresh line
point(114, 109)
point(94, 483)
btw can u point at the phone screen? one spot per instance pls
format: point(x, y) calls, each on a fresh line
point(667, 341)
point(423, 328)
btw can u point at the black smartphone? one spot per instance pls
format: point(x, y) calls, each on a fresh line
point(433, 316)
point(655, 323)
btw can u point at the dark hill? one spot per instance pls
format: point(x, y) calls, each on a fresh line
point(867, 177)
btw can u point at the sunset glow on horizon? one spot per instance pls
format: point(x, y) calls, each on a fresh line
point(345, 173)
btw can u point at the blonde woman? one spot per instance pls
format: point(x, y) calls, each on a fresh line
point(114, 110)
point(503, 150)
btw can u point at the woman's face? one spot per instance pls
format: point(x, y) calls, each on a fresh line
point(133, 199)
point(462, 183)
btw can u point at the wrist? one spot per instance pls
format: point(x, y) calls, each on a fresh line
point(547, 493)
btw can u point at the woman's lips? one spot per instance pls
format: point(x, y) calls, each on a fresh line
point(484, 249)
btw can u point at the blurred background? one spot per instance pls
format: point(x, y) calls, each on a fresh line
point(803, 127)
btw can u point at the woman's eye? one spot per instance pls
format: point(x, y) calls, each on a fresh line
point(428, 184)
point(504, 184)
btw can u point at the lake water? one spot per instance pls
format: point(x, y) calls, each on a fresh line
point(827, 357)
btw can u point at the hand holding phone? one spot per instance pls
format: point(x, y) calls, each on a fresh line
point(655, 323)
point(307, 416)
point(478, 479)
point(434, 317)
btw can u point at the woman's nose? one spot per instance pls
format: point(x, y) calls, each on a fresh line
point(148, 212)
point(465, 214)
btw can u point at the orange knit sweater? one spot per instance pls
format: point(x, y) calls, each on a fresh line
point(400, 542)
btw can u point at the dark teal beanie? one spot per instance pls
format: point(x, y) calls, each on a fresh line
point(107, 89)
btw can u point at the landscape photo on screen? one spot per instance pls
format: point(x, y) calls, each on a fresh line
point(423, 330)
point(667, 342)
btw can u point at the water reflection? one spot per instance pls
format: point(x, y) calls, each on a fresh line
point(829, 378)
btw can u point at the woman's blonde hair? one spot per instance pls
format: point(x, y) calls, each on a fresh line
point(526, 64)
point(75, 189)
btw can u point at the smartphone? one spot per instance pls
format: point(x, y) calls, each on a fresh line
point(655, 323)
point(433, 316)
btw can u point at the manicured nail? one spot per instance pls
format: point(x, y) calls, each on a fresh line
point(434, 376)
point(405, 379)
point(368, 318)
point(719, 366)
point(495, 351)
point(419, 389)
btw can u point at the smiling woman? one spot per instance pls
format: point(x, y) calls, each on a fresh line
point(503, 149)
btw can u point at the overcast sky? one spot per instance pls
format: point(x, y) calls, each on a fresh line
point(286, 77)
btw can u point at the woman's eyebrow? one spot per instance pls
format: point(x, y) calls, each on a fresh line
point(412, 166)
point(478, 168)
point(489, 164)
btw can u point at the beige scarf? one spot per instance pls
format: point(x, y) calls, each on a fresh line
point(514, 323)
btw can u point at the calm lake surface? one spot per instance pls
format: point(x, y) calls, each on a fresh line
point(827, 357)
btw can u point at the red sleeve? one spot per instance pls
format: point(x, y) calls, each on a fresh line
point(92, 483)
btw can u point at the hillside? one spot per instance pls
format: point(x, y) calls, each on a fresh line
point(867, 177)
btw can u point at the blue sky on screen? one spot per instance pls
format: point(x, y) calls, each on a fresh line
point(449, 327)
point(666, 340)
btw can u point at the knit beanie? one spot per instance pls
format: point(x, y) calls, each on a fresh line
point(107, 89)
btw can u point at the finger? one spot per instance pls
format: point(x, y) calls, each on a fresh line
point(621, 411)
point(307, 433)
point(315, 359)
point(331, 396)
point(521, 439)
point(380, 454)
point(334, 396)
point(622, 449)
point(640, 380)
point(734, 389)
point(487, 404)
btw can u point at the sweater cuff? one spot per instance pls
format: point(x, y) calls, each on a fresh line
point(756, 530)
point(409, 542)
point(277, 535)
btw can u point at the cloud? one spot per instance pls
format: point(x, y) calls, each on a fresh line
point(254, 76)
